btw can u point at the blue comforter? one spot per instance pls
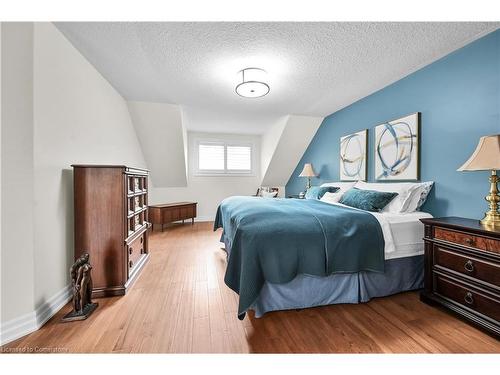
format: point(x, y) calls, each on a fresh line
point(275, 240)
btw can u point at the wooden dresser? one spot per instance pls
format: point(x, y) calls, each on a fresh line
point(462, 269)
point(170, 212)
point(111, 222)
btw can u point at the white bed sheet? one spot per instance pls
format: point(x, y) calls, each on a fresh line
point(403, 232)
point(406, 234)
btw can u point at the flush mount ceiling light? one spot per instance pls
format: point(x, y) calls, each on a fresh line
point(252, 85)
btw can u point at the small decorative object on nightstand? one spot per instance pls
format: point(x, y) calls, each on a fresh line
point(486, 157)
point(308, 172)
point(462, 269)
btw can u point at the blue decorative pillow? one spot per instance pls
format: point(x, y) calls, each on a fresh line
point(368, 200)
point(316, 192)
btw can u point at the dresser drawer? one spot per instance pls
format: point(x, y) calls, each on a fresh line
point(466, 239)
point(482, 270)
point(135, 251)
point(467, 296)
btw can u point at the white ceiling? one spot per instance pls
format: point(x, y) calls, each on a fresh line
point(313, 68)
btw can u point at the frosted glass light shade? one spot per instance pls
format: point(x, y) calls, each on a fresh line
point(253, 83)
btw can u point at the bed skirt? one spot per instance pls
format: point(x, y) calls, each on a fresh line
point(401, 274)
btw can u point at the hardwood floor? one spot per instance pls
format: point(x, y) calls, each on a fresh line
point(180, 304)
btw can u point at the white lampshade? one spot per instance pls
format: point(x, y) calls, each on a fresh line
point(486, 156)
point(308, 171)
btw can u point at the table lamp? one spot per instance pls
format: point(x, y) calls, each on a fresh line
point(308, 172)
point(487, 157)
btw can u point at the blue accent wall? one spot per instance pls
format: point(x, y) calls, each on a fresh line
point(459, 98)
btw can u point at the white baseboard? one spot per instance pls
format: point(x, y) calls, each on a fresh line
point(32, 321)
point(204, 218)
point(53, 305)
point(18, 327)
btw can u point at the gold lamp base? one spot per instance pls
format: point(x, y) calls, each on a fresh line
point(492, 217)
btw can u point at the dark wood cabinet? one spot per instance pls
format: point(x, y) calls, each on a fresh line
point(111, 222)
point(170, 212)
point(462, 269)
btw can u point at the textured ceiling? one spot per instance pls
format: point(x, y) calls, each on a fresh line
point(313, 68)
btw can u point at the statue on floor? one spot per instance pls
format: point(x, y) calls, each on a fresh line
point(81, 282)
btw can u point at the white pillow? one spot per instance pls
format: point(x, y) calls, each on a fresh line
point(269, 194)
point(420, 196)
point(341, 185)
point(335, 197)
point(332, 197)
point(406, 191)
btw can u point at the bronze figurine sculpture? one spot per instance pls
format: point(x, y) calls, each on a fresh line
point(81, 281)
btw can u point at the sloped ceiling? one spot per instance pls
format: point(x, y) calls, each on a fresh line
point(295, 136)
point(314, 68)
point(160, 131)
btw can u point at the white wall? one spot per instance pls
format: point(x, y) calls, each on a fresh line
point(17, 294)
point(209, 191)
point(0, 171)
point(295, 137)
point(79, 118)
point(269, 142)
point(56, 110)
point(161, 134)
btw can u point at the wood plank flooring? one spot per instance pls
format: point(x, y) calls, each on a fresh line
point(180, 304)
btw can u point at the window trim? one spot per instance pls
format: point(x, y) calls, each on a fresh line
point(225, 172)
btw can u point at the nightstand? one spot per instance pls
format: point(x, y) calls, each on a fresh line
point(462, 269)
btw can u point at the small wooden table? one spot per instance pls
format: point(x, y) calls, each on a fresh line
point(170, 212)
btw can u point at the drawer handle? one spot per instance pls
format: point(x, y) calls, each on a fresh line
point(469, 266)
point(130, 250)
point(469, 241)
point(468, 298)
point(141, 239)
point(130, 264)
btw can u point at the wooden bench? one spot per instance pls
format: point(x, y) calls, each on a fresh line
point(169, 212)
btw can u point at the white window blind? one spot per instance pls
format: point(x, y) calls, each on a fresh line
point(211, 157)
point(222, 157)
point(239, 158)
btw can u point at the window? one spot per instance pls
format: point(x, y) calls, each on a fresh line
point(224, 158)
point(239, 158)
point(210, 157)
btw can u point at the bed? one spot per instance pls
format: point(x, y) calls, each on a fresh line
point(404, 271)
point(290, 253)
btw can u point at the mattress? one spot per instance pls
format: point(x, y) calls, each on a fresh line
point(404, 271)
point(404, 246)
point(404, 233)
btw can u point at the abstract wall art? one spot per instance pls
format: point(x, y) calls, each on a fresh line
point(353, 153)
point(397, 149)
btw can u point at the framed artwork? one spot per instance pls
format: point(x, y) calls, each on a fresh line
point(353, 151)
point(397, 145)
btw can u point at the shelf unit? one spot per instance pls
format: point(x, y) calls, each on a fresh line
point(111, 222)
